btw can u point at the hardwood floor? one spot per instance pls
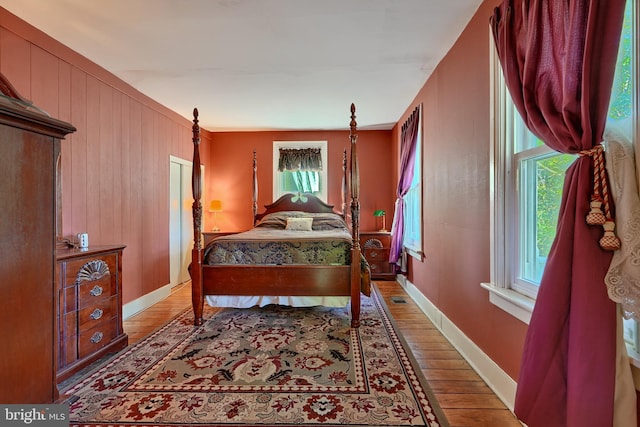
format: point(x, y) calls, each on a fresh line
point(464, 397)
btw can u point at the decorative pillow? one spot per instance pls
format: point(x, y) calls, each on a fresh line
point(299, 224)
point(329, 221)
point(278, 220)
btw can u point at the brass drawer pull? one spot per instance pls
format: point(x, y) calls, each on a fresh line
point(97, 337)
point(97, 313)
point(96, 291)
point(373, 254)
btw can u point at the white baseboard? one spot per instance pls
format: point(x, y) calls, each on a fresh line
point(145, 301)
point(502, 384)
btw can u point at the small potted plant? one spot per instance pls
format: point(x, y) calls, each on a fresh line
point(381, 213)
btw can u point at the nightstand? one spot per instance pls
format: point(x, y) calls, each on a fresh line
point(210, 235)
point(375, 246)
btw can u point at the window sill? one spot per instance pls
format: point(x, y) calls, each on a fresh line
point(514, 303)
point(417, 254)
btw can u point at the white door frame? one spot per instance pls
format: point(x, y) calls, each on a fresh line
point(180, 219)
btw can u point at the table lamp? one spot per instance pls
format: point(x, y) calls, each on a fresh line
point(382, 213)
point(215, 207)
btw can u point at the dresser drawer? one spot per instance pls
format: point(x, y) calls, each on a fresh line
point(378, 268)
point(376, 255)
point(97, 337)
point(378, 260)
point(95, 314)
point(91, 293)
point(79, 271)
point(382, 240)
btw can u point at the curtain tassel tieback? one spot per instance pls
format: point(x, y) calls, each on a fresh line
point(595, 215)
point(609, 242)
point(600, 199)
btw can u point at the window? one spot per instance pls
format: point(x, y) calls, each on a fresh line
point(534, 181)
point(300, 181)
point(527, 185)
point(412, 233)
point(527, 180)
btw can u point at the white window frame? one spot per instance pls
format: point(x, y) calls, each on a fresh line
point(412, 233)
point(502, 207)
point(506, 290)
point(278, 181)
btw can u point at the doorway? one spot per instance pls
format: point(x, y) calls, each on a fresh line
point(180, 219)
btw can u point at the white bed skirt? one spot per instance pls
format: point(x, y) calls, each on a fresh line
point(234, 301)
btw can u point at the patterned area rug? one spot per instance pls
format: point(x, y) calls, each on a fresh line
point(273, 366)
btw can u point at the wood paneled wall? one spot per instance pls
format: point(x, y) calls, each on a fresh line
point(116, 166)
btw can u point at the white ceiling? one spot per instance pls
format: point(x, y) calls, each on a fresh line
point(263, 64)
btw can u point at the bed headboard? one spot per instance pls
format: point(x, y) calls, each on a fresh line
point(304, 202)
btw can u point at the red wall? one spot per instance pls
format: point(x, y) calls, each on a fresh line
point(457, 120)
point(231, 163)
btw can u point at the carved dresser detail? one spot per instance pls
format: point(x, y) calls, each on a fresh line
point(89, 284)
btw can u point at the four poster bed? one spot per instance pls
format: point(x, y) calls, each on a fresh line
point(300, 252)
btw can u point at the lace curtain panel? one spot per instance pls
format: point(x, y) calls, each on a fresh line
point(623, 276)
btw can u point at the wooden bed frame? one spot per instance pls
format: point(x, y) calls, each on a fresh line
point(278, 280)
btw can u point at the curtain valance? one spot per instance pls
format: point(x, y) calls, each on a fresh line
point(304, 159)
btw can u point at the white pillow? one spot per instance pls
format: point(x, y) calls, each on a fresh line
point(299, 224)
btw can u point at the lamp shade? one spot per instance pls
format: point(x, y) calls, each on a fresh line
point(215, 206)
point(380, 213)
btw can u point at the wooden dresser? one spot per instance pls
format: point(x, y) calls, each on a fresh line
point(29, 155)
point(89, 314)
point(375, 246)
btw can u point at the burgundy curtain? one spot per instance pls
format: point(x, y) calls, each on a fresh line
point(409, 139)
point(558, 59)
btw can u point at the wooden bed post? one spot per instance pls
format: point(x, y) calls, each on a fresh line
point(344, 189)
point(197, 297)
point(255, 187)
point(354, 180)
